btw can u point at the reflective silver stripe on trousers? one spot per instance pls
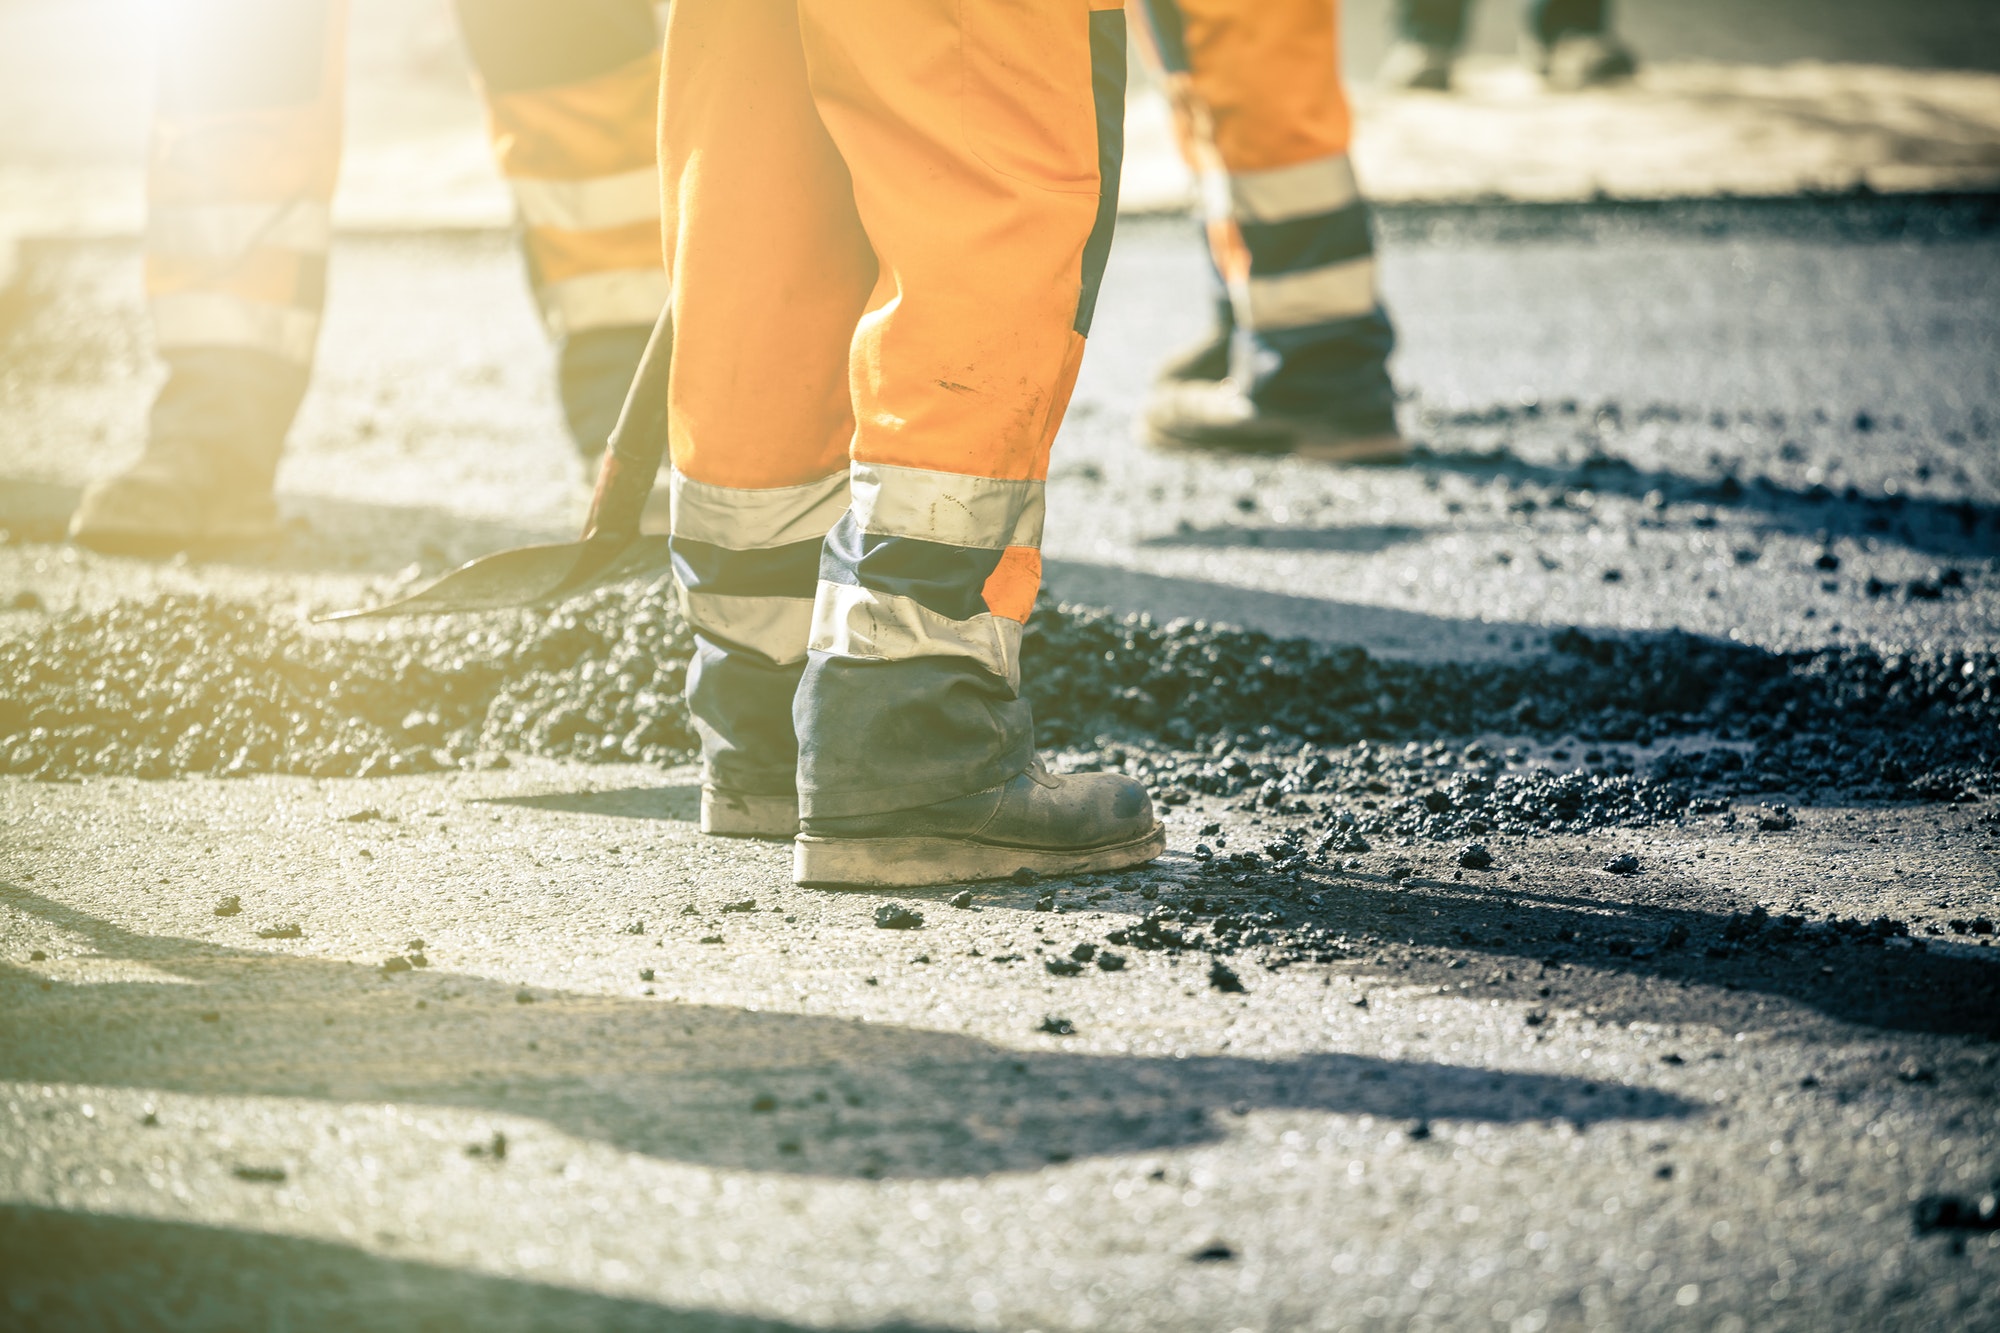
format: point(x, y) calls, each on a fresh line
point(946, 507)
point(615, 299)
point(738, 519)
point(1316, 296)
point(777, 627)
point(1303, 190)
point(213, 319)
point(223, 232)
point(589, 205)
point(861, 623)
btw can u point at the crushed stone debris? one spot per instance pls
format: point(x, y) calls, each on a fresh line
point(1674, 724)
point(1223, 977)
point(895, 916)
point(1953, 1212)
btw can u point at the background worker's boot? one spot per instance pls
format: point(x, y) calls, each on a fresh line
point(1219, 416)
point(1207, 360)
point(1041, 822)
point(205, 479)
point(1416, 66)
point(170, 501)
point(1579, 60)
point(739, 814)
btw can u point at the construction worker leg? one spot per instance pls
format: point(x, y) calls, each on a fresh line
point(571, 89)
point(1439, 23)
point(1263, 117)
point(984, 143)
point(1548, 21)
point(771, 272)
point(245, 148)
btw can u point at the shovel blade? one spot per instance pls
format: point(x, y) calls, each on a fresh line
point(528, 576)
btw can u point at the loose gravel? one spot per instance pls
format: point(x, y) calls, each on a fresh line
point(1595, 731)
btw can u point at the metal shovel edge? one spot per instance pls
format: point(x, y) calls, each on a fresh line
point(527, 576)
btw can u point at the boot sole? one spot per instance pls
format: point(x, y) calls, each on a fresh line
point(730, 814)
point(907, 863)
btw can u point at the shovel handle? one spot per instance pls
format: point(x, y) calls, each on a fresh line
point(638, 443)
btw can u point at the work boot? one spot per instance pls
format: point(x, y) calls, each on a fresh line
point(739, 814)
point(212, 443)
point(1416, 66)
point(166, 503)
point(1207, 360)
point(1039, 822)
point(1579, 60)
point(1218, 416)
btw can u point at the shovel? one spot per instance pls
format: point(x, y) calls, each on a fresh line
point(612, 549)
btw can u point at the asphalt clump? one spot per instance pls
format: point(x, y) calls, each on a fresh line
point(183, 685)
point(1952, 1212)
point(895, 916)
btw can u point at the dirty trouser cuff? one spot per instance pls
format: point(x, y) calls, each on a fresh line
point(878, 736)
point(741, 705)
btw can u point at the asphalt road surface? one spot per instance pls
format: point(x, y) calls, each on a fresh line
point(510, 1046)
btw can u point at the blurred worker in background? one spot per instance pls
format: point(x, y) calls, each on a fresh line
point(245, 151)
point(1298, 359)
point(1569, 42)
point(886, 229)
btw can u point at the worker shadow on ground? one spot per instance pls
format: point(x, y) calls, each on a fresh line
point(1359, 539)
point(1947, 528)
point(1501, 941)
point(1385, 631)
point(680, 803)
point(714, 1085)
point(1496, 940)
point(65, 1271)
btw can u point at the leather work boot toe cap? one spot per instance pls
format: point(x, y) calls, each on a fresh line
point(151, 509)
point(1039, 822)
point(1210, 414)
point(134, 513)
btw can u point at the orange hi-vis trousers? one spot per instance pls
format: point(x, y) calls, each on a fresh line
point(1264, 123)
point(886, 231)
point(246, 147)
